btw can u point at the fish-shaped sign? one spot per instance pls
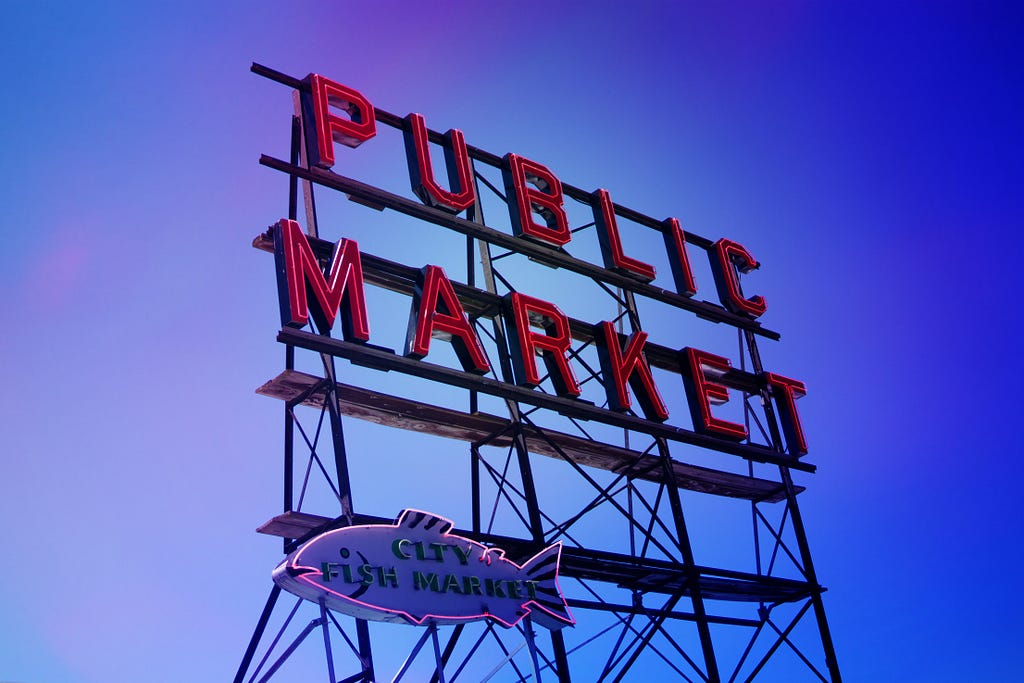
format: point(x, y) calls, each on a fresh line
point(415, 571)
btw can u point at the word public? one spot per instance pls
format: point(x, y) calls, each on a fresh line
point(537, 327)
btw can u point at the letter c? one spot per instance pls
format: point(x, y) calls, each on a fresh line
point(396, 548)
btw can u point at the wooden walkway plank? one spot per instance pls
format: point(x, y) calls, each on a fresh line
point(393, 411)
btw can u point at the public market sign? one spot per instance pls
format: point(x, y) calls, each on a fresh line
point(328, 286)
point(416, 572)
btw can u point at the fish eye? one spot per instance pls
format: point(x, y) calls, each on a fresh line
point(344, 552)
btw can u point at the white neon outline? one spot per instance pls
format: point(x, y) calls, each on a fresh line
point(292, 562)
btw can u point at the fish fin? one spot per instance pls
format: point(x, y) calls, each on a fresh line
point(413, 519)
point(552, 622)
point(553, 611)
point(299, 571)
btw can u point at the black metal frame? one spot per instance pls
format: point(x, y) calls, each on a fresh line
point(660, 566)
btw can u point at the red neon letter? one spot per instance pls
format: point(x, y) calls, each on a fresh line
point(675, 245)
point(460, 178)
point(618, 367)
point(786, 391)
point(299, 275)
point(544, 197)
point(701, 393)
point(728, 257)
point(553, 344)
point(436, 312)
point(611, 243)
point(327, 127)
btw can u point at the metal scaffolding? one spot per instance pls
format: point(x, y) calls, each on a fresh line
point(642, 600)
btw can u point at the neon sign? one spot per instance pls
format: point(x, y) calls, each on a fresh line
point(327, 289)
point(415, 571)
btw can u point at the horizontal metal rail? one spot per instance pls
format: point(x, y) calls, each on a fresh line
point(488, 158)
point(643, 574)
point(387, 360)
point(556, 259)
point(397, 277)
point(394, 411)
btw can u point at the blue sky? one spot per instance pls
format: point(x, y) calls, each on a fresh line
point(867, 154)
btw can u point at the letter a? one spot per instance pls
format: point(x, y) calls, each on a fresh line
point(436, 312)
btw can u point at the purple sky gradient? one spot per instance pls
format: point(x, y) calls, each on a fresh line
point(869, 157)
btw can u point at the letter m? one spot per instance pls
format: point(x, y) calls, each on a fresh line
point(303, 287)
point(421, 581)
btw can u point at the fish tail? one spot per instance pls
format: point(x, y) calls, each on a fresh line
point(542, 568)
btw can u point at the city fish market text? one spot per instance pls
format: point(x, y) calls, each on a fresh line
point(416, 571)
point(536, 327)
point(367, 574)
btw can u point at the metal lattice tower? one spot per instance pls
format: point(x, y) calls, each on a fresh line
point(646, 607)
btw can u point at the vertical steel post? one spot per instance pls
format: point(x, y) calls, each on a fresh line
point(449, 648)
point(438, 661)
point(298, 156)
point(561, 656)
point(685, 548)
point(518, 438)
point(474, 478)
point(326, 628)
point(289, 357)
point(293, 182)
point(796, 519)
point(475, 214)
point(365, 651)
point(289, 445)
point(257, 634)
point(330, 374)
point(471, 282)
point(531, 646)
point(690, 566)
point(338, 439)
